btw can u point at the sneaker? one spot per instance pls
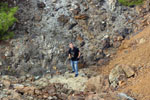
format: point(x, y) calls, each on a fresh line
point(72, 71)
point(76, 75)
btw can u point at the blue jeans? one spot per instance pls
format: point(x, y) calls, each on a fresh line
point(74, 65)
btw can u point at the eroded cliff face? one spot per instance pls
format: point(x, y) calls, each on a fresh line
point(45, 28)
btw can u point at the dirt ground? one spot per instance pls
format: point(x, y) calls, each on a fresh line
point(134, 52)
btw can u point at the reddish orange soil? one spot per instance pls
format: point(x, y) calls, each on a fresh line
point(134, 52)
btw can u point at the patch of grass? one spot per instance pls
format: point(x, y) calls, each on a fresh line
point(7, 19)
point(130, 2)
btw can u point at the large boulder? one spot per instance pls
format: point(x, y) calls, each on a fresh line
point(97, 84)
point(120, 73)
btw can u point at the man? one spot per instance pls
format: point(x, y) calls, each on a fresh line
point(74, 55)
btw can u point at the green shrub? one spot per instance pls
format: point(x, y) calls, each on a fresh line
point(130, 2)
point(7, 19)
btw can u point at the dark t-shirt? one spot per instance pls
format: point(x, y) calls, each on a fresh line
point(74, 53)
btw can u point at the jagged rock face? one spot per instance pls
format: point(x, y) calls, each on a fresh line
point(45, 28)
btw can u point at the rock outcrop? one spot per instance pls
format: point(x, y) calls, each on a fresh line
point(120, 73)
point(45, 28)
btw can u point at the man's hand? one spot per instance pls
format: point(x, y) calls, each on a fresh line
point(69, 56)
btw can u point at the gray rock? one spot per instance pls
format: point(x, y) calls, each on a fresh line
point(116, 75)
point(41, 5)
point(128, 71)
point(42, 36)
point(120, 73)
point(1, 63)
point(125, 96)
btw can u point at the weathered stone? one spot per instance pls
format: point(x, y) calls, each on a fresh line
point(120, 73)
point(63, 19)
point(5, 98)
point(22, 78)
point(112, 4)
point(1, 63)
point(50, 98)
point(54, 1)
point(97, 84)
point(8, 54)
point(37, 17)
point(18, 87)
point(116, 44)
point(106, 42)
point(41, 5)
point(75, 98)
point(83, 16)
point(119, 38)
point(45, 96)
point(115, 75)
point(128, 71)
point(29, 90)
point(94, 97)
point(15, 95)
point(72, 25)
point(76, 11)
point(6, 83)
point(37, 92)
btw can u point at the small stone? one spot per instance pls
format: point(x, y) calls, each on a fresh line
point(29, 90)
point(119, 38)
point(41, 5)
point(16, 96)
point(75, 98)
point(37, 92)
point(76, 11)
point(1, 63)
point(22, 78)
point(37, 77)
point(79, 38)
point(54, 1)
point(1, 85)
point(50, 98)
point(63, 19)
point(54, 97)
point(93, 97)
point(6, 83)
point(8, 54)
point(72, 25)
point(142, 41)
point(37, 17)
point(83, 17)
point(5, 98)
point(116, 44)
point(18, 86)
point(45, 95)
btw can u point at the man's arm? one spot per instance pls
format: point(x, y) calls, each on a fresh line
point(79, 54)
point(69, 56)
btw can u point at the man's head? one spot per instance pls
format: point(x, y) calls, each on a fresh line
point(71, 45)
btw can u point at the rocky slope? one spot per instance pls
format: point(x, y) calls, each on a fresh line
point(51, 88)
point(45, 28)
point(134, 53)
point(36, 56)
